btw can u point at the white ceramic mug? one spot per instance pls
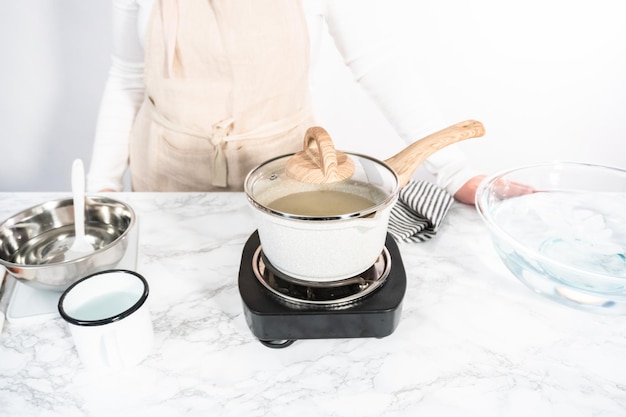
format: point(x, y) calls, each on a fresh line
point(109, 319)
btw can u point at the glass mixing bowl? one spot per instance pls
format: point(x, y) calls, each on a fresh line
point(560, 228)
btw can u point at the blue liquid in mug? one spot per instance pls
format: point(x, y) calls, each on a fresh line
point(104, 306)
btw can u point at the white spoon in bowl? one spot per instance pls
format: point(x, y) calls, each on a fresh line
point(80, 246)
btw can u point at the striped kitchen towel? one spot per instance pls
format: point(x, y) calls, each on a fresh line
point(419, 211)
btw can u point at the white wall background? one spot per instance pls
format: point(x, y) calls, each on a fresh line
point(54, 58)
point(546, 77)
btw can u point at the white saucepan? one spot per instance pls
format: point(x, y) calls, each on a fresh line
point(334, 226)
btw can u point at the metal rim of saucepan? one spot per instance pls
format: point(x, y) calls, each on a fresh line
point(251, 179)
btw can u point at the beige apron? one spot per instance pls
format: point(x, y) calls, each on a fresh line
point(226, 89)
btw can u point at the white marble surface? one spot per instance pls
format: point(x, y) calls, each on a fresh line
point(472, 340)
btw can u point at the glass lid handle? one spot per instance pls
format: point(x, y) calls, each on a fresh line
point(319, 162)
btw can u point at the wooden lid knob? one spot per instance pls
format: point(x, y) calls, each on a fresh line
point(319, 162)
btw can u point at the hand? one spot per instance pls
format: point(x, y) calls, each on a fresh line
point(467, 193)
point(503, 189)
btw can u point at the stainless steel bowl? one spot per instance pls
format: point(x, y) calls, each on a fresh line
point(33, 242)
point(565, 239)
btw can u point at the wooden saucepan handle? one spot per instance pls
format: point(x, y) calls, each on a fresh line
point(405, 162)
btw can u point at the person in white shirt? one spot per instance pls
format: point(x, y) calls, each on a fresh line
point(199, 92)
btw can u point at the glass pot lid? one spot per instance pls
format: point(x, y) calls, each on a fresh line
point(372, 186)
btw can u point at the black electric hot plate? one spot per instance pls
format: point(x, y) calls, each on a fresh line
point(280, 310)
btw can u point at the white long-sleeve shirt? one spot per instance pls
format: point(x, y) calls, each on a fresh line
point(363, 32)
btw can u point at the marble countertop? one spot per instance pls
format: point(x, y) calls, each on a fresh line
point(472, 340)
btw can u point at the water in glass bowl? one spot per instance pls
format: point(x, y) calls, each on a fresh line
point(574, 238)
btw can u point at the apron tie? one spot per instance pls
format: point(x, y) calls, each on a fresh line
point(219, 132)
point(220, 166)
